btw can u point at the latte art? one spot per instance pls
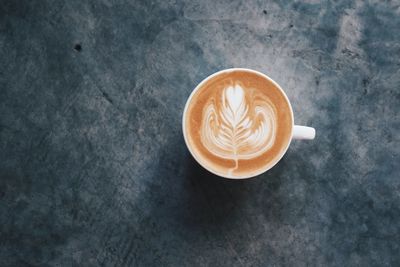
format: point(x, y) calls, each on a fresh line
point(238, 126)
point(237, 123)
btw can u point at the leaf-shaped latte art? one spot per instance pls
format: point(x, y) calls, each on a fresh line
point(237, 126)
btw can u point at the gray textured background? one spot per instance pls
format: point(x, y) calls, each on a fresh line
point(93, 166)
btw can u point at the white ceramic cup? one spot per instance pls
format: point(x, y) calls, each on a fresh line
point(298, 132)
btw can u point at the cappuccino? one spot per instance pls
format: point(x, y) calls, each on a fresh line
point(238, 123)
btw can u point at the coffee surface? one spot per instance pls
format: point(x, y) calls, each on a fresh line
point(238, 123)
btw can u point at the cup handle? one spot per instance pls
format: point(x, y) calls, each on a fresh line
point(303, 133)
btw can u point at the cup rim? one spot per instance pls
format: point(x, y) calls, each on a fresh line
point(188, 101)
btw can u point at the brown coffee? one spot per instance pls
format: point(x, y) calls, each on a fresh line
point(238, 123)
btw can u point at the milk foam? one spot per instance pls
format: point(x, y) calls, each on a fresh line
point(238, 125)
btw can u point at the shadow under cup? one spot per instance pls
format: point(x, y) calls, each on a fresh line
point(237, 123)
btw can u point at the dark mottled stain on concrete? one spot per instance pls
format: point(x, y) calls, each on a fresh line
point(78, 47)
point(93, 167)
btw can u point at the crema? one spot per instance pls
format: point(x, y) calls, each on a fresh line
point(238, 123)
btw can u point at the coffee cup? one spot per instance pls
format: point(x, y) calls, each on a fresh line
point(238, 123)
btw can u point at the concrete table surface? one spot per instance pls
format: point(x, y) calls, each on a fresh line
point(93, 167)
